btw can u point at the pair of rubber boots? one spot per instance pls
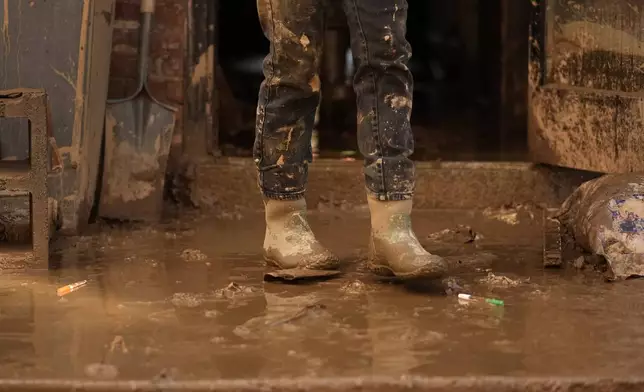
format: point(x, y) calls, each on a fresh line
point(394, 250)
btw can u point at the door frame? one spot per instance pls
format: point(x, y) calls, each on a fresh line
point(519, 32)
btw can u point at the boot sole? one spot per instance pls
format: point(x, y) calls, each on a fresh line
point(322, 266)
point(421, 273)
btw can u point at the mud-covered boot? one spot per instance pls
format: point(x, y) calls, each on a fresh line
point(289, 241)
point(394, 249)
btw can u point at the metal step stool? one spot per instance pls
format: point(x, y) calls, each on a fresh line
point(20, 177)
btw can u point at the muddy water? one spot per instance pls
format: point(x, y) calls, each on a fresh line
point(187, 301)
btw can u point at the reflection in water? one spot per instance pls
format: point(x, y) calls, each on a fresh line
point(17, 327)
point(148, 313)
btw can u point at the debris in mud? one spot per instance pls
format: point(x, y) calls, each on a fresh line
point(233, 290)
point(193, 255)
point(354, 287)
point(302, 313)
point(185, 300)
point(605, 216)
point(453, 286)
point(290, 323)
point(101, 371)
point(579, 263)
point(501, 281)
point(299, 274)
point(461, 234)
point(196, 300)
point(510, 213)
point(491, 301)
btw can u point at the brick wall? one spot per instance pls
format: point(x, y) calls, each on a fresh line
point(167, 51)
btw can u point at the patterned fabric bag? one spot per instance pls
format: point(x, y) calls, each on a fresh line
point(606, 218)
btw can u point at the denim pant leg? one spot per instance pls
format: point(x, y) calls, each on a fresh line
point(383, 85)
point(289, 95)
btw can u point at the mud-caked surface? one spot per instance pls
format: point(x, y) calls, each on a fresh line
point(186, 301)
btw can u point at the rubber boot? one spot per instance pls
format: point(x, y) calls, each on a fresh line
point(289, 241)
point(394, 248)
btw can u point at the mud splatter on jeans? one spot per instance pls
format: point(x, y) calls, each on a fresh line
point(290, 94)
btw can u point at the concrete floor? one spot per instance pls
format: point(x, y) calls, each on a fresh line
point(185, 302)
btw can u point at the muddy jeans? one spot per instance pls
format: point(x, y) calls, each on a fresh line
point(290, 94)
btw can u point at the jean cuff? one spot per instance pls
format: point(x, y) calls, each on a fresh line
point(391, 196)
point(283, 195)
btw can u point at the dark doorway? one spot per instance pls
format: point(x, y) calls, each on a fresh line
point(470, 69)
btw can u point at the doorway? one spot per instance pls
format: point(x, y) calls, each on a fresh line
point(470, 69)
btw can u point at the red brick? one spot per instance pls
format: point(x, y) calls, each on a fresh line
point(158, 89)
point(124, 66)
point(126, 38)
point(174, 92)
point(128, 10)
point(120, 88)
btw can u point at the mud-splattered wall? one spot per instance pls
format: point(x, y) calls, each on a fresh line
point(586, 81)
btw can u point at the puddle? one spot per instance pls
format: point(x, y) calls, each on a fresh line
point(146, 310)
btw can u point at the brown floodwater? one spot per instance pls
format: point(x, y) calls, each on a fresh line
point(187, 301)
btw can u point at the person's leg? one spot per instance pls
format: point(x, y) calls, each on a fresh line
point(288, 99)
point(384, 86)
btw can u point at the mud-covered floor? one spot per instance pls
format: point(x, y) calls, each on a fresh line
point(187, 301)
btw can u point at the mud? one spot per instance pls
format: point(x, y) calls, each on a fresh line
point(147, 312)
